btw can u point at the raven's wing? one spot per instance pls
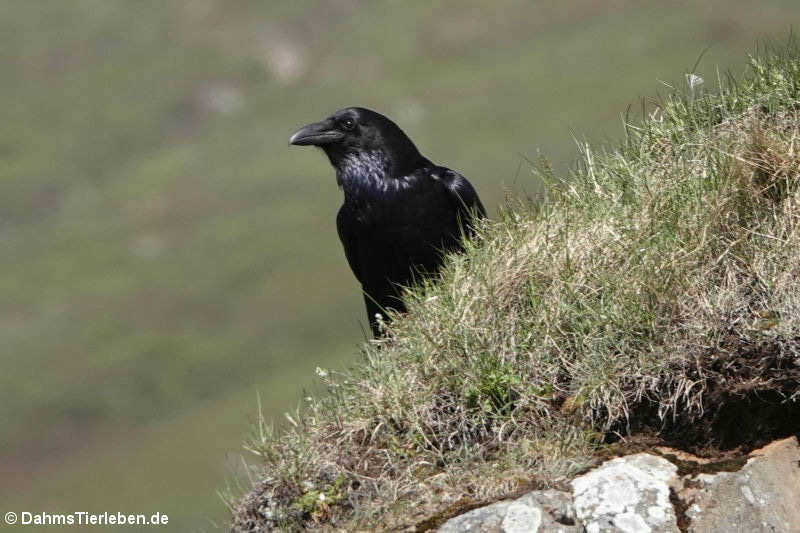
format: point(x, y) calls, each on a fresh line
point(464, 197)
point(347, 235)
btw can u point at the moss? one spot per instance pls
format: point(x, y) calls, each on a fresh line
point(693, 468)
point(435, 521)
point(316, 503)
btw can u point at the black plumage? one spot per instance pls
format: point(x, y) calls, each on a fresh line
point(400, 211)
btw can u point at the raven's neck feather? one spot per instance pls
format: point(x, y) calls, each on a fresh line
point(373, 171)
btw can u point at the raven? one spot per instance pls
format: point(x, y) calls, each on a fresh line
point(400, 211)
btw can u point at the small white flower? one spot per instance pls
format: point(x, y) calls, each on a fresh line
point(695, 82)
point(321, 372)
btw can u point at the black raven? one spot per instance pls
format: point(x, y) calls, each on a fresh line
point(400, 211)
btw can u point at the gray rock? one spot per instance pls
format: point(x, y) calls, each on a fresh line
point(535, 512)
point(763, 496)
point(484, 519)
point(558, 505)
point(628, 494)
point(632, 495)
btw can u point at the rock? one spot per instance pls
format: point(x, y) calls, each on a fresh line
point(632, 494)
point(628, 494)
point(537, 511)
point(763, 496)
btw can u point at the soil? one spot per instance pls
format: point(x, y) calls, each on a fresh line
point(751, 396)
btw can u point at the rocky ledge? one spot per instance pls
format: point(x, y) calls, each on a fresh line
point(663, 492)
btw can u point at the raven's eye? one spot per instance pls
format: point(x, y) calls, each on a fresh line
point(348, 124)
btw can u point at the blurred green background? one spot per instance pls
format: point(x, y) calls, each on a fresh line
point(165, 257)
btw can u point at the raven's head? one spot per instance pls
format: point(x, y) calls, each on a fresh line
point(355, 135)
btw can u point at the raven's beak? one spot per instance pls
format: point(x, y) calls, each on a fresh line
point(316, 134)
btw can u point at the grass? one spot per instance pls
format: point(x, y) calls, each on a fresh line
point(654, 290)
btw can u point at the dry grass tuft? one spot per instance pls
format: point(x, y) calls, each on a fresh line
point(656, 290)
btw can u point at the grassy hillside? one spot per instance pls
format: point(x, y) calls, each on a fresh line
point(165, 257)
point(654, 292)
